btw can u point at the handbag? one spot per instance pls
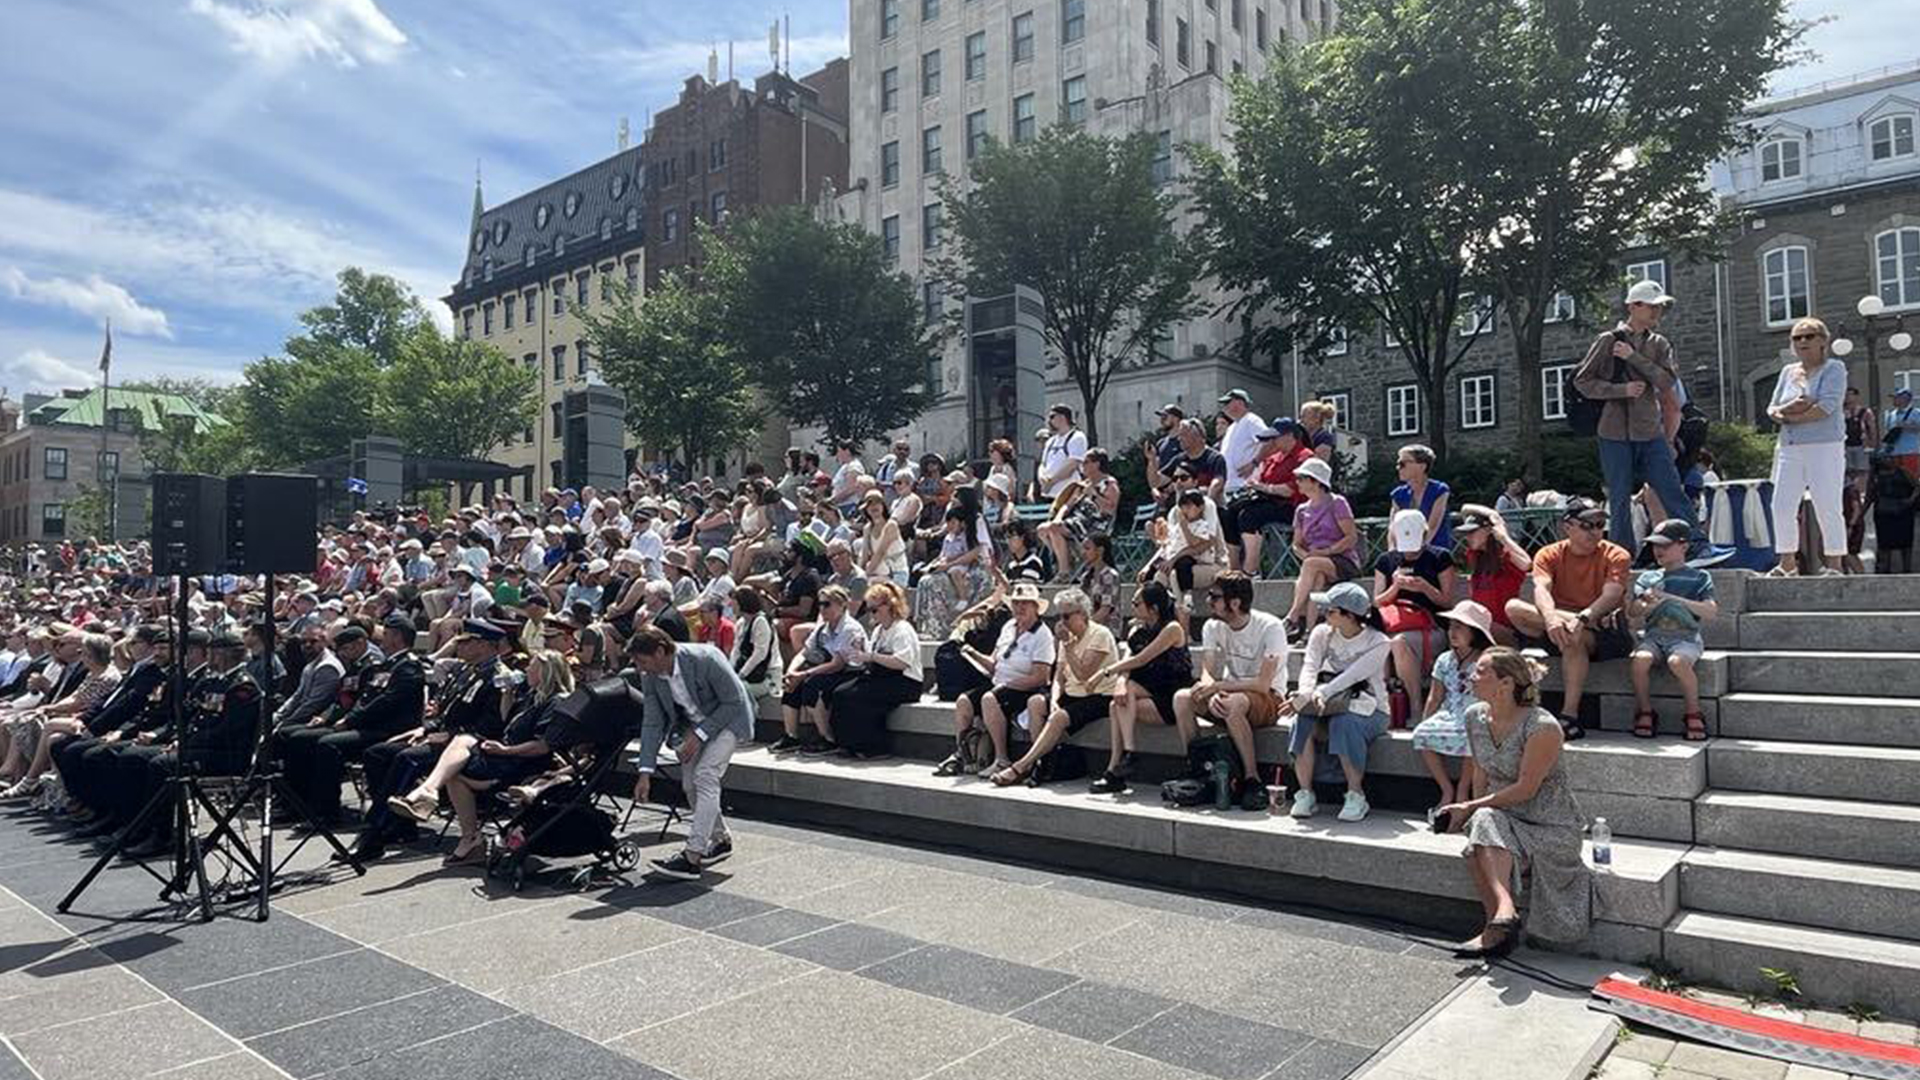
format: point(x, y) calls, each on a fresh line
point(1306, 703)
point(1401, 617)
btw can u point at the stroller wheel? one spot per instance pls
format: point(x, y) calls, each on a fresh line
point(519, 876)
point(626, 855)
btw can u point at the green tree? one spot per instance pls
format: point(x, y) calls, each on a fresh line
point(1077, 218)
point(456, 398)
point(1339, 200)
point(686, 387)
point(835, 338)
point(372, 313)
point(308, 404)
point(87, 513)
point(1591, 124)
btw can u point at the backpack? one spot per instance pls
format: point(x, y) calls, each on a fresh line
point(1692, 436)
point(1583, 412)
point(975, 749)
point(1199, 786)
point(952, 675)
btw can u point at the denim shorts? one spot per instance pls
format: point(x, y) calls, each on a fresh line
point(1665, 644)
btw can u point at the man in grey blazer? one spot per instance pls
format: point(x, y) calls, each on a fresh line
point(690, 690)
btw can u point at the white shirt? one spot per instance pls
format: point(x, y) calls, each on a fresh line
point(678, 684)
point(844, 479)
point(900, 640)
point(1016, 654)
point(533, 558)
point(1240, 447)
point(1242, 651)
point(651, 549)
point(1061, 448)
point(1357, 663)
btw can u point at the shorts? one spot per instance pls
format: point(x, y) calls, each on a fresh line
point(1013, 703)
point(1663, 645)
point(1263, 706)
point(1082, 710)
point(1610, 642)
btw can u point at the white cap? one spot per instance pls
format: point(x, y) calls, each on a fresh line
point(1648, 292)
point(1408, 530)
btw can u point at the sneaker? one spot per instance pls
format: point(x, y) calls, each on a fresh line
point(1355, 808)
point(1304, 804)
point(823, 748)
point(1124, 771)
point(681, 867)
point(1253, 796)
point(1703, 555)
point(718, 851)
point(953, 766)
point(1109, 783)
point(785, 744)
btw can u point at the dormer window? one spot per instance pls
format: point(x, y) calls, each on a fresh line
point(1782, 158)
point(1890, 137)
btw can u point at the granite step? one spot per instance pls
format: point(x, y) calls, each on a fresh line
point(1878, 774)
point(1851, 897)
point(1823, 672)
point(1884, 834)
point(1851, 593)
point(1833, 967)
point(1854, 631)
point(1823, 718)
point(1386, 851)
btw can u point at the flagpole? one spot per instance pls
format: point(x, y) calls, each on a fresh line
point(109, 485)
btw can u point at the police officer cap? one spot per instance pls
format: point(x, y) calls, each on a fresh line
point(483, 630)
point(198, 639)
point(150, 634)
point(348, 634)
point(399, 622)
point(226, 639)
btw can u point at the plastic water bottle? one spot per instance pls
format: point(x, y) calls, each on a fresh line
point(1222, 796)
point(1602, 835)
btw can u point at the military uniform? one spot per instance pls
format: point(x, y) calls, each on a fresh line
point(382, 700)
point(83, 761)
point(223, 730)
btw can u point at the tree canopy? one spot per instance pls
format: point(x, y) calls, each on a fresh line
point(1079, 219)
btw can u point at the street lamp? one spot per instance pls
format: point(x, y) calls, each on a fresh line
point(1874, 322)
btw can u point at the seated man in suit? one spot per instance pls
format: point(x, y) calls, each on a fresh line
point(689, 691)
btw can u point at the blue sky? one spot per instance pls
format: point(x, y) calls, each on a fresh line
point(199, 169)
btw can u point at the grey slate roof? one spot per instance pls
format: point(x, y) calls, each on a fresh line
point(605, 194)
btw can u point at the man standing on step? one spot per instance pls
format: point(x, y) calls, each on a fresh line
point(689, 691)
point(1578, 586)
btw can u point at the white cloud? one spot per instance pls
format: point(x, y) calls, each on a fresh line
point(37, 369)
point(284, 32)
point(94, 297)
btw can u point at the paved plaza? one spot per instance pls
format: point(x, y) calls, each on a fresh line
point(809, 954)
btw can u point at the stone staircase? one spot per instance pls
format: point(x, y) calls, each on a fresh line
point(1791, 839)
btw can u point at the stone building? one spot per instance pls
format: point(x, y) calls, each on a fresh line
point(537, 262)
point(932, 80)
point(53, 451)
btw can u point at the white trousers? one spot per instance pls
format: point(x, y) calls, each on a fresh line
point(1820, 468)
point(703, 791)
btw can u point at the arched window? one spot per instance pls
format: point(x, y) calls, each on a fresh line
point(1897, 266)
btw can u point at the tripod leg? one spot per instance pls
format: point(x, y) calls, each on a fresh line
point(160, 798)
point(197, 856)
point(279, 783)
point(223, 824)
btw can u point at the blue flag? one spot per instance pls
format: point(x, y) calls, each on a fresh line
point(356, 486)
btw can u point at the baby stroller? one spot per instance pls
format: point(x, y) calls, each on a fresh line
point(575, 818)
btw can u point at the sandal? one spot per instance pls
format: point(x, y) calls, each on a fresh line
point(473, 856)
point(1011, 775)
point(418, 807)
point(1696, 727)
point(1643, 723)
point(1571, 730)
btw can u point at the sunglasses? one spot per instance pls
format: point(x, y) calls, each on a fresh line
point(1809, 337)
point(1590, 526)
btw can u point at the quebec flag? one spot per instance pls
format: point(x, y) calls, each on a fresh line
point(356, 486)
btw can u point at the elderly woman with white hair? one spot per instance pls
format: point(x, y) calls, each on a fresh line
point(1811, 455)
point(1083, 683)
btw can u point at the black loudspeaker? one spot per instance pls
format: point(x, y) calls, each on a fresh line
point(271, 523)
point(189, 529)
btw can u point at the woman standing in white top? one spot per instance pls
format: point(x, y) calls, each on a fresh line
point(891, 676)
point(883, 552)
point(1346, 655)
point(1811, 456)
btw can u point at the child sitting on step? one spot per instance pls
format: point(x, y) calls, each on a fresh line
point(1667, 605)
point(1443, 734)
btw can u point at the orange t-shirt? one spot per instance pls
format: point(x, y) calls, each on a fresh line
point(1578, 579)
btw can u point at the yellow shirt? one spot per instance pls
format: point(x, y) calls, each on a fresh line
point(1098, 641)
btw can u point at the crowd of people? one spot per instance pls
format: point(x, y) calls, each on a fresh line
point(430, 655)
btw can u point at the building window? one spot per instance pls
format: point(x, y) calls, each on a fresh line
point(1891, 137)
point(1213, 59)
point(930, 74)
point(1477, 402)
point(486, 320)
point(532, 299)
point(1475, 316)
point(716, 155)
point(670, 225)
point(1025, 126)
point(1553, 390)
point(1023, 37)
point(1073, 21)
point(976, 134)
point(1388, 337)
point(1183, 43)
point(1650, 270)
point(53, 463)
point(466, 324)
point(929, 10)
point(580, 358)
point(606, 283)
point(1906, 380)
point(553, 418)
point(580, 295)
point(1342, 403)
point(717, 206)
point(1403, 410)
point(976, 56)
point(890, 90)
point(633, 272)
point(532, 360)
point(931, 218)
point(932, 302)
point(53, 520)
point(1336, 342)
point(1781, 159)
point(109, 464)
point(1897, 266)
point(889, 18)
point(559, 362)
point(1239, 15)
point(1562, 308)
point(1260, 29)
point(1785, 273)
point(1163, 158)
point(559, 292)
point(1153, 23)
point(930, 150)
point(1073, 100)
point(890, 239)
point(889, 164)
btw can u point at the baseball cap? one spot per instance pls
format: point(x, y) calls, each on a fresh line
point(1648, 292)
point(1236, 394)
point(1172, 410)
point(1585, 510)
point(1670, 531)
point(1408, 530)
point(1347, 596)
point(1473, 521)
